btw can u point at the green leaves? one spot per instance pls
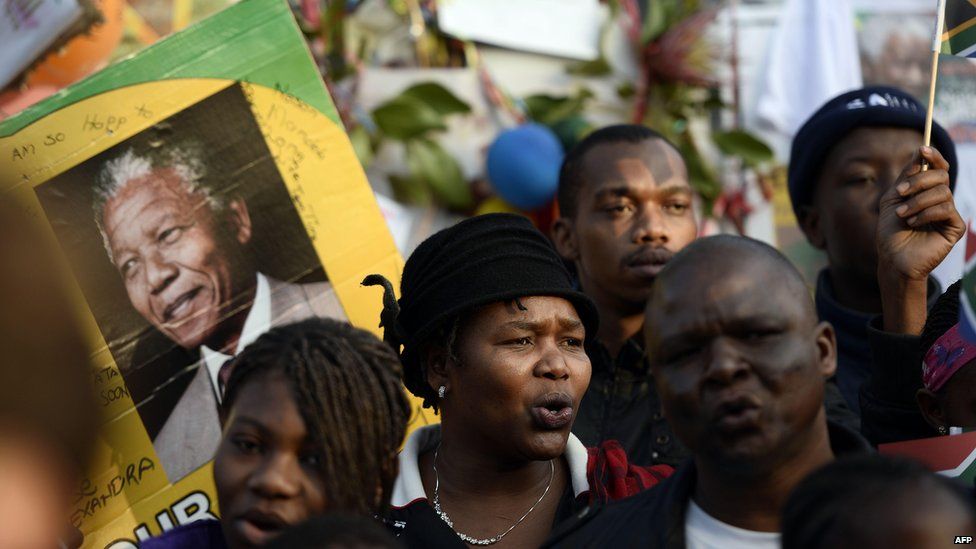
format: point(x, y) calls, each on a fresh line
point(549, 109)
point(656, 21)
point(419, 109)
point(431, 164)
point(408, 190)
point(435, 176)
point(746, 146)
point(405, 117)
point(660, 15)
point(597, 67)
point(562, 114)
point(700, 175)
point(438, 98)
point(626, 90)
point(359, 138)
point(571, 131)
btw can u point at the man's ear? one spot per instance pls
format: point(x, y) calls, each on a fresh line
point(809, 219)
point(931, 407)
point(564, 237)
point(240, 220)
point(826, 349)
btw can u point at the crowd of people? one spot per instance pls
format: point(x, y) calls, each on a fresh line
point(618, 381)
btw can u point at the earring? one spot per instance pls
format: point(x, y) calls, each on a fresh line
point(442, 390)
point(943, 430)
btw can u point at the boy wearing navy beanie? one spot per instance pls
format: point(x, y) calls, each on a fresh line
point(843, 159)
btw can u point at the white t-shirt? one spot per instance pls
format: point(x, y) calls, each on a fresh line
point(704, 532)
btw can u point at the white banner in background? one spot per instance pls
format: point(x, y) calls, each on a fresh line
point(567, 28)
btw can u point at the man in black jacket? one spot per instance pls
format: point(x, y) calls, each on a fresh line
point(740, 362)
point(626, 208)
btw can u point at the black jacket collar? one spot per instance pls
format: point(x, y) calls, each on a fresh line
point(656, 518)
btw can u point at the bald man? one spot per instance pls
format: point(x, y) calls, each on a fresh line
point(740, 362)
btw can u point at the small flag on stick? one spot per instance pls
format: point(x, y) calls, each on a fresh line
point(958, 36)
point(936, 48)
point(967, 312)
point(955, 34)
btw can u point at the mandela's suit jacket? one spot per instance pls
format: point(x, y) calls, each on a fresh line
point(191, 432)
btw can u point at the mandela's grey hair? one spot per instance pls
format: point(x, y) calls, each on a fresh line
point(118, 172)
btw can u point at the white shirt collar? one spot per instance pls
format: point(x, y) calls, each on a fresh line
point(703, 531)
point(409, 487)
point(257, 322)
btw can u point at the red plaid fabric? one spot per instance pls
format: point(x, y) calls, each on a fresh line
point(612, 477)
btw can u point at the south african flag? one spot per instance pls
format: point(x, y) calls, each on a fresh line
point(959, 32)
point(967, 312)
point(951, 456)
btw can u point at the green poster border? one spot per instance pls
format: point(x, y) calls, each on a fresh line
point(256, 41)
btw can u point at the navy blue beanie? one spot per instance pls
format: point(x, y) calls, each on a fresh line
point(873, 106)
point(481, 260)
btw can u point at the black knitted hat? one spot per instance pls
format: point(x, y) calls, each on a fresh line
point(481, 260)
point(873, 106)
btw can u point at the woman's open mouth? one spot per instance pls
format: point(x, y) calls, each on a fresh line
point(553, 411)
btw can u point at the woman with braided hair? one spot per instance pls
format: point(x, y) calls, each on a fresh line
point(492, 334)
point(313, 414)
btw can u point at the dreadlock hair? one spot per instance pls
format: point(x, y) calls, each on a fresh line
point(570, 180)
point(832, 504)
point(346, 384)
point(445, 337)
point(943, 316)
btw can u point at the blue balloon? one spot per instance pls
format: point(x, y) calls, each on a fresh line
point(523, 166)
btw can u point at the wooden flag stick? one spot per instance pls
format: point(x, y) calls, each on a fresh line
point(936, 47)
